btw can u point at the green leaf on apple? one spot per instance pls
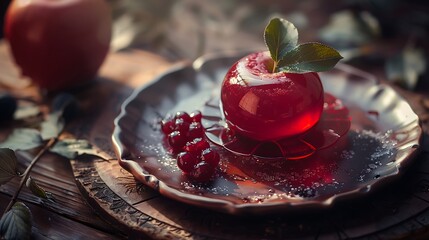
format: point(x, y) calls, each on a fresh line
point(309, 57)
point(281, 38)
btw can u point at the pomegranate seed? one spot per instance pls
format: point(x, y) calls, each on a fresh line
point(167, 126)
point(181, 125)
point(186, 161)
point(196, 146)
point(202, 172)
point(183, 115)
point(196, 116)
point(176, 140)
point(195, 131)
point(185, 132)
point(210, 156)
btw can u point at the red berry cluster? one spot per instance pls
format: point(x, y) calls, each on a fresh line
point(185, 135)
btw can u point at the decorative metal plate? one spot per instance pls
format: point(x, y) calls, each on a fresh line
point(383, 138)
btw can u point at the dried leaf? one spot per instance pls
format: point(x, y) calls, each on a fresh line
point(406, 67)
point(72, 148)
point(347, 29)
point(63, 108)
point(52, 126)
point(16, 223)
point(37, 190)
point(8, 165)
point(65, 105)
point(140, 22)
point(27, 112)
point(23, 139)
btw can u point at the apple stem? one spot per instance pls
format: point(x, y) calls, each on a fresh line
point(274, 67)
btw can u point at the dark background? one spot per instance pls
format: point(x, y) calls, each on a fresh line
point(3, 7)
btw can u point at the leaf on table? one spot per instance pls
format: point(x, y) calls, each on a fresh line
point(405, 67)
point(8, 165)
point(357, 52)
point(72, 148)
point(27, 112)
point(37, 190)
point(309, 57)
point(280, 37)
point(16, 223)
point(142, 22)
point(52, 126)
point(23, 139)
point(65, 105)
point(63, 108)
point(347, 29)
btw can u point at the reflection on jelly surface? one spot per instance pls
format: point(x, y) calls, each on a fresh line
point(269, 106)
point(332, 125)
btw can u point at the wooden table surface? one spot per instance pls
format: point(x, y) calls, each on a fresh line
point(85, 207)
point(70, 217)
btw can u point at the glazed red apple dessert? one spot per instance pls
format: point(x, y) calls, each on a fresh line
point(265, 96)
point(263, 105)
point(277, 94)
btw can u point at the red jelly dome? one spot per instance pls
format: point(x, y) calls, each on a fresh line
point(265, 106)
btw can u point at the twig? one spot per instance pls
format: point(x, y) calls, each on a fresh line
point(26, 174)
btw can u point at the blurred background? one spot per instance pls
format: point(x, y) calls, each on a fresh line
point(390, 36)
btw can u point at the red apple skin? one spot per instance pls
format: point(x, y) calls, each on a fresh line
point(268, 106)
point(58, 44)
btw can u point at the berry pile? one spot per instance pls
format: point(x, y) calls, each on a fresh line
point(185, 136)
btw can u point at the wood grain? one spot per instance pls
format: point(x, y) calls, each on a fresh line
point(70, 216)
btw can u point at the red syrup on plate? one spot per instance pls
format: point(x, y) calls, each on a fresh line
point(273, 115)
point(320, 152)
point(333, 124)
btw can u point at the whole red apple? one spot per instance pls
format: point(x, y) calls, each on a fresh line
point(58, 43)
point(263, 105)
